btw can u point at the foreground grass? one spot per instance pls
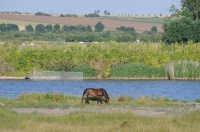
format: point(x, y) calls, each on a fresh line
point(118, 116)
point(96, 122)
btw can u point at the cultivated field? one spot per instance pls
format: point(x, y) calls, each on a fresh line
point(144, 24)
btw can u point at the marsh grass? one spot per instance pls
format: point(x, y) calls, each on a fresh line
point(118, 116)
point(96, 122)
point(43, 100)
point(59, 100)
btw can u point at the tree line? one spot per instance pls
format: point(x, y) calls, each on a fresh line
point(77, 33)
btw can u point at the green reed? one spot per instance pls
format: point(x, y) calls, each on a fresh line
point(184, 69)
point(137, 70)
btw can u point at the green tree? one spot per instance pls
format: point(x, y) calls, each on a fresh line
point(3, 27)
point(106, 12)
point(40, 28)
point(99, 27)
point(29, 28)
point(96, 12)
point(13, 27)
point(72, 28)
point(89, 28)
point(49, 28)
point(56, 27)
point(81, 28)
point(189, 8)
point(154, 29)
point(65, 28)
point(178, 30)
point(194, 31)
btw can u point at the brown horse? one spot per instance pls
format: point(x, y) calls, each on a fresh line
point(95, 93)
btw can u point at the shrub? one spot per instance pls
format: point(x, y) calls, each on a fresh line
point(123, 98)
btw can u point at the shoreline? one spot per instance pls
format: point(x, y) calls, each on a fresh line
point(11, 78)
point(94, 78)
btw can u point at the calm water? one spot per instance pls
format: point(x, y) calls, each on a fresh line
point(181, 90)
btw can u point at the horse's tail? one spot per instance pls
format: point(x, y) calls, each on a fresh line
point(83, 96)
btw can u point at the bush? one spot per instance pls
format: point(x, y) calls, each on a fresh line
point(123, 98)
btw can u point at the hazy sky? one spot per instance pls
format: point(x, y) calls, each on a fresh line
point(82, 7)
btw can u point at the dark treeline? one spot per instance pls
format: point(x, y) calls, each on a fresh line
point(182, 30)
point(68, 15)
point(42, 14)
point(92, 15)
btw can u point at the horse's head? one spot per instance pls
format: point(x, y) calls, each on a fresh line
point(104, 93)
point(107, 100)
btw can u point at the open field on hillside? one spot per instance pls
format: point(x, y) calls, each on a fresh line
point(21, 24)
point(146, 25)
point(136, 19)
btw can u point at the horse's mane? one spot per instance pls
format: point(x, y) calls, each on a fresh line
point(105, 92)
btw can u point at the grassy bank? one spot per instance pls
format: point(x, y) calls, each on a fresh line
point(58, 112)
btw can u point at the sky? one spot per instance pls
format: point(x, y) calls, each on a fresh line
point(82, 7)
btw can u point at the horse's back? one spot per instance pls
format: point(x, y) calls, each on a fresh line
point(94, 91)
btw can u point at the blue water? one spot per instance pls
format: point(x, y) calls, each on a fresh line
point(181, 90)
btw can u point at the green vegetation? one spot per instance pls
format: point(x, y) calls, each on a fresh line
point(103, 60)
point(58, 112)
point(59, 100)
point(182, 26)
point(95, 122)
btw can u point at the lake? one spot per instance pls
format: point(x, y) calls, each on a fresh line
point(182, 90)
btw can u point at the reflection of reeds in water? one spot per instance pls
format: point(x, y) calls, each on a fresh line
point(184, 69)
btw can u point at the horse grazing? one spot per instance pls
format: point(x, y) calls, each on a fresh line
point(95, 93)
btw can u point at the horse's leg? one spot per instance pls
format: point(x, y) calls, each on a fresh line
point(99, 100)
point(87, 100)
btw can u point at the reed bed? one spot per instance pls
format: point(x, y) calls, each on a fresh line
point(184, 69)
point(138, 70)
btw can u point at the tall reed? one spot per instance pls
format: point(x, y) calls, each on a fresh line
point(137, 70)
point(184, 69)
